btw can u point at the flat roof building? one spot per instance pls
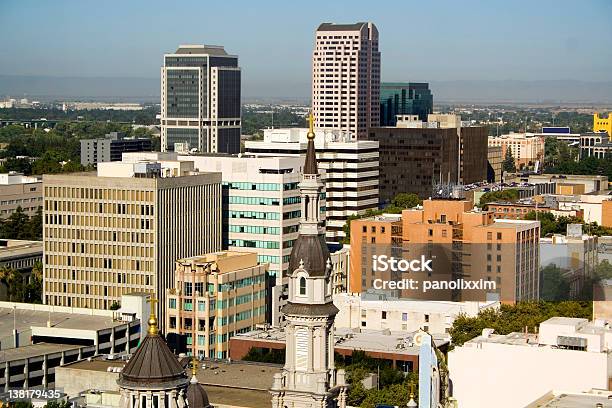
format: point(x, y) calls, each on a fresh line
point(215, 296)
point(200, 100)
point(440, 228)
point(110, 148)
point(398, 348)
point(489, 365)
point(526, 148)
point(17, 190)
point(415, 155)
point(121, 230)
point(261, 211)
point(349, 167)
point(36, 339)
point(364, 312)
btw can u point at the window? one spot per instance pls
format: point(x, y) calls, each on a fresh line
point(499, 235)
point(404, 317)
point(384, 314)
point(302, 285)
point(172, 303)
point(364, 229)
point(426, 318)
point(430, 232)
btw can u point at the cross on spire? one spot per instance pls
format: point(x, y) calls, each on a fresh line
point(153, 330)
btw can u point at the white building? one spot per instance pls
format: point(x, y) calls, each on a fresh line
point(349, 169)
point(346, 77)
point(261, 209)
point(402, 315)
point(568, 354)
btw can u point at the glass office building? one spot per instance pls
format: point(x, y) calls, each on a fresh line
point(404, 98)
point(200, 101)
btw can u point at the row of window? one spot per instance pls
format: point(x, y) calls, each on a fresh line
point(260, 186)
point(262, 200)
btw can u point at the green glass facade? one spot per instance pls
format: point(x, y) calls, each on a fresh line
point(404, 98)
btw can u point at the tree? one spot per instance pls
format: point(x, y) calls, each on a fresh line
point(115, 305)
point(510, 194)
point(14, 283)
point(514, 318)
point(406, 200)
point(508, 164)
point(16, 225)
point(554, 284)
point(58, 404)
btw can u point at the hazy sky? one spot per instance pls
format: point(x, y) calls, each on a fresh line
point(419, 40)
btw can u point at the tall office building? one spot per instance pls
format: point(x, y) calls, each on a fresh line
point(416, 155)
point(200, 100)
point(404, 98)
point(346, 77)
point(121, 230)
point(261, 212)
point(349, 167)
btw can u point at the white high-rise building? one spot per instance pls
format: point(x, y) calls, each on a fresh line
point(346, 77)
point(349, 169)
point(261, 211)
point(309, 378)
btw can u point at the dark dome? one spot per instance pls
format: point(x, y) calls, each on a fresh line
point(313, 251)
point(153, 365)
point(196, 396)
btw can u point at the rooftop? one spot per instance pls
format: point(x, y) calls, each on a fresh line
point(233, 384)
point(33, 350)
point(223, 261)
point(25, 316)
point(341, 27)
point(574, 400)
point(14, 248)
point(201, 49)
point(384, 341)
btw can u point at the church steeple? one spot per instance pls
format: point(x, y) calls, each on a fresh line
point(310, 165)
point(309, 378)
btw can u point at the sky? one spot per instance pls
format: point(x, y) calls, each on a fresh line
point(425, 40)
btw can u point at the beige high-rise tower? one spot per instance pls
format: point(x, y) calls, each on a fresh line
point(346, 77)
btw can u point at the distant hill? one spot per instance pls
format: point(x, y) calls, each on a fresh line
point(47, 88)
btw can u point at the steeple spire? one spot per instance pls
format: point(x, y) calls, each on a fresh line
point(310, 165)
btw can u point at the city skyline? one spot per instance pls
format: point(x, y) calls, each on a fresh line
point(525, 42)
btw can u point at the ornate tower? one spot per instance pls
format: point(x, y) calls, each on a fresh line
point(153, 378)
point(309, 378)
